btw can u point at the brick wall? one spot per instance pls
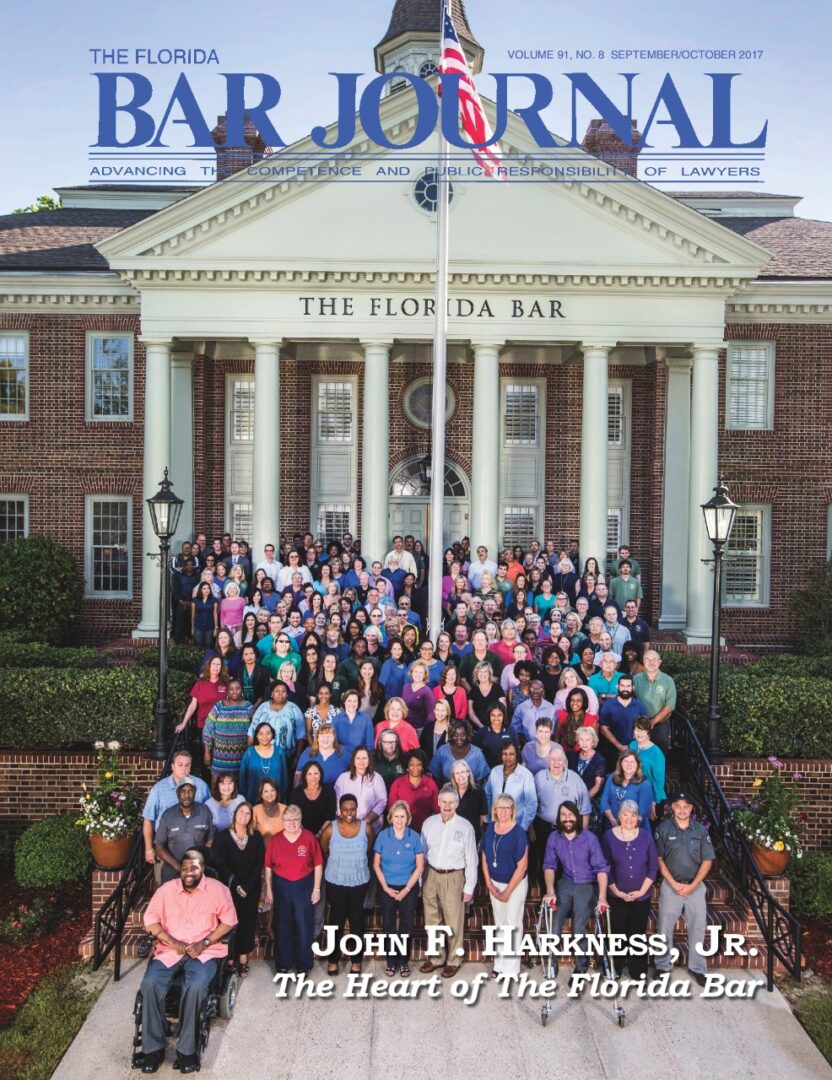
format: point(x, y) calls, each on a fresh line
point(737, 776)
point(37, 785)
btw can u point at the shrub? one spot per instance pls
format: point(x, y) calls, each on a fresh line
point(29, 920)
point(51, 852)
point(16, 650)
point(180, 658)
point(58, 710)
point(812, 609)
point(37, 567)
point(811, 881)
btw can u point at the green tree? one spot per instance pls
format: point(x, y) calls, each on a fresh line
point(43, 202)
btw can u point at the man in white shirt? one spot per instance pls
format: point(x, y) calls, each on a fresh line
point(284, 578)
point(450, 878)
point(480, 564)
point(269, 563)
point(406, 560)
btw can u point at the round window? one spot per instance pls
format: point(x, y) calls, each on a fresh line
point(418, 402)
point(427, 69)
point(426, 191)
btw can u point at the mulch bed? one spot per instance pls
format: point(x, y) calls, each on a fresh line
point(22, 966)
point(817, 945)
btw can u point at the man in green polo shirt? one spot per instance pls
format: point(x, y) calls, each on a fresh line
point(624, 586)
point(657, 693)
point(624, 553)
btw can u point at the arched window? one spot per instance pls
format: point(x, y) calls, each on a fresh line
point(411, 480)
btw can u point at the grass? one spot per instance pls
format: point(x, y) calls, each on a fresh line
point(33, 1045)
point(814, 1011)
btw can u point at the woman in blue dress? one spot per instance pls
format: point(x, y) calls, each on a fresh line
point(263, 759)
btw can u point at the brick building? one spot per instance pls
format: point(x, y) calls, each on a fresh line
point(610, 346)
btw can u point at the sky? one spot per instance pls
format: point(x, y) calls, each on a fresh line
point(49, 94)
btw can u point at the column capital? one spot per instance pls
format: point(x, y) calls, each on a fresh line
point(485, 346)
point(153, 342)
point(678, 363)
point(595, 348)
point(707, 352)
point(376, 344)
point(266, 343)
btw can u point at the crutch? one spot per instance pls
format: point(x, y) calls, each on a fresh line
point(545, 933)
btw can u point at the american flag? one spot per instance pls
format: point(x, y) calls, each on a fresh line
point(474, 121)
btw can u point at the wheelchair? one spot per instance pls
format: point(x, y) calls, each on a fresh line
point(221, 1001)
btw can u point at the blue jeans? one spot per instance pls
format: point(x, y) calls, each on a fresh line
point(292, 920)
point(195, 983)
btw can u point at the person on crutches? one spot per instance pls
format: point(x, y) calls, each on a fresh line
point(582, 887)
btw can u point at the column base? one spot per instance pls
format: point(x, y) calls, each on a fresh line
point(671, 622)
point(697, 637)
point(144, 631)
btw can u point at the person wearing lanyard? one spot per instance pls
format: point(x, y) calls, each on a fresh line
point(515, 780)
point(577, 851)
point(686, 856)
point(450, 878)
point(505, 860)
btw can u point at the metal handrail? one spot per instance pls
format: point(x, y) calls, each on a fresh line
point(112, 916)
point(780, 929)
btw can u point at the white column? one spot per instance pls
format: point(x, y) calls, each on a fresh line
point(675, 503)
point(485, 450)
point(266, 456)
point(594, 454)
point(182, 443)
point(704, 465)
point(156, 460)
point(375, 452)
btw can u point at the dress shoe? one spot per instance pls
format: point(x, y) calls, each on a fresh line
point(698, 976)
point(152, 1061)
point(186, 1063)
point(429, 965)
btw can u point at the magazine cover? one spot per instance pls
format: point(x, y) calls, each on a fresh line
point(415, 540)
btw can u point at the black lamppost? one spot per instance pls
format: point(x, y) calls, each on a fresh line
point(165, 509)
point(719, 514)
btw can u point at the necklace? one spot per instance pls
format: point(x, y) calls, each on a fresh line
point(240, 841)
point(495, 847)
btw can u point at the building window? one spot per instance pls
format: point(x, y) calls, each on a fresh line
point(242, 411)
point(241, 521)
point(521, 414)
point(333, 521)
point(614, 540)
point(412, 480)
point(335, 412)
point(109, 376)
point(426, 191)
point(750, 386)
point(14, 517)
point(427, 69)
point(519, 525)
point(746, 580)
point(418, 402)
point(615, 416)
point(109, 529)
point(14, 376)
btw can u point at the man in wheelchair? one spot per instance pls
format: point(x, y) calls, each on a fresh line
point(188, 918)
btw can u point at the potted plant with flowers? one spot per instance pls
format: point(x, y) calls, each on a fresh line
point(111, 813)
point(768, 820)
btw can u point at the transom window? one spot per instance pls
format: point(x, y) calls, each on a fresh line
point(242, 412)
point(14, 517)
point(746, 580)
point(335, 412)
point(110, 376)
point(418, 402)
point(109, 545)
point(521, 414)
point(14, 376)
point(412, 480)
point(750, 386)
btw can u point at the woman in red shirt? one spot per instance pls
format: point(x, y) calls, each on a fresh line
point(294, 868)
point(576, 715)
point(453, 693)
point(209, 688)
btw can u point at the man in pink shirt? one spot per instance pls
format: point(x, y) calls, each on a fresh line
point(187, 917)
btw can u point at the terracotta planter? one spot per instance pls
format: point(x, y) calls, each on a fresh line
point(111, 854)
point(770, 863)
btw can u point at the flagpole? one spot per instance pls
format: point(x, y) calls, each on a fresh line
point(436, 544)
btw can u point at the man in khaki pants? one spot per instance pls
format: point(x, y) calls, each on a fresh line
point(450, 877)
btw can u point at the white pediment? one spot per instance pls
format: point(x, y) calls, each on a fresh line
point(343, 226)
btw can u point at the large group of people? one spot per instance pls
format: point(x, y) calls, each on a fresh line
point(353, 757)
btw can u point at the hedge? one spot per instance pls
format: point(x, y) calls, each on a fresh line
point(180, 658)
point(41, 589)
point(63, 709)
point(778, 705)
point(17, 651)
point(811, 882)
point(51, 852)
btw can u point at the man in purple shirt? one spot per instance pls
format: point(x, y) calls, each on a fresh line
point(578, 852)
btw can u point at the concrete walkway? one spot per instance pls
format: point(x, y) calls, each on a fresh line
point(443, 1039)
